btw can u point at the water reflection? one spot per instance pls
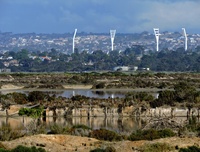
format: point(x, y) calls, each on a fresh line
point(123, 125)
point(90, 93)
point(118, 124)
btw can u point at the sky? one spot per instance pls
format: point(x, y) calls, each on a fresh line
point(99, 16)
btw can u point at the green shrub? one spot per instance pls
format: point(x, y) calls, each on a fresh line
point(144, 135)
point(97, 150)
point(80, 130)
point(21, 148)
point(3, 150)
point(19, 98)
point(108, 149)
point(79, 98)
point(139, 96)
point(58, 129)
point(157, 147)
point(100, 85)
point(190, 149)
point(34, 112)
point(166, 133)
point(36, 96)
point(103, 134)
point(151, 134)
point(156, 103)
point(137, 135)
point(19, 74)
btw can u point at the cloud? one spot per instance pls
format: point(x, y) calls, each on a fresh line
point(98, 15)
point(172, 15)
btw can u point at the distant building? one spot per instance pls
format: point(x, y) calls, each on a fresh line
point(45, 58)
point(144, 69)
point(9, 58)
point(121, 68)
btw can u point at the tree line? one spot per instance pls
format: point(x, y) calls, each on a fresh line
point(136, 56)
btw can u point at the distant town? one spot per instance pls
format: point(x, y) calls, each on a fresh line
point(91, 42)
point(33, 52)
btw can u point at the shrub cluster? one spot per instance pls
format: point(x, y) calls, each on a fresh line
point(157, 147)
point(22, 98)
point(103, 134)
point(151, 134)
point(35, 112)
point(58, 129)
point(190, 149)
point(107, 149)
point(21, 148)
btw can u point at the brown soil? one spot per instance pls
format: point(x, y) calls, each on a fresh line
point(63, 143)
point(77, 86)
point(14, 87)
point(10, 87)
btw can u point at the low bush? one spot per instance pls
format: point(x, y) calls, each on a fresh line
point(36, 96)
point(97, 150)
point(3, 150)
point(157, 147)
point(108, 149)
point(79, 98)
point(21, 148)
point(100, 85)
point(34, 112)
point(190, 149)
point(19, 98)
point(103, 134)
point(80, 130)
point(151, 134)
point(58, 129)
point(166, 133)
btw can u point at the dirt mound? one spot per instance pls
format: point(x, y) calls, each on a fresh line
point(10, 86)
point(63, 143)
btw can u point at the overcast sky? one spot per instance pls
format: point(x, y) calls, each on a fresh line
point(126, 16)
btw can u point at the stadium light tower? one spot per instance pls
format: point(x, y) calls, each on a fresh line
point(185, 35)
point(157, 34)
point(73, 45)
point(112, 35)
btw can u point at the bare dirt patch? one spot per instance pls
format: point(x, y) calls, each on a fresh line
point(55, 143)
point(63, 143)
point(77, 86)
point(10, 87)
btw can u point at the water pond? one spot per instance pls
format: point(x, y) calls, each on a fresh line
point(102, 94)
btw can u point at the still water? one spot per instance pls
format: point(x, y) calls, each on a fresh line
point(85, 92)
point(123, 125)
point(70, 93)
point(120, 125)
